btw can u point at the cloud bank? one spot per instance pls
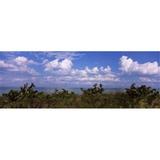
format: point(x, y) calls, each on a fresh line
point(128, 65)
point(60, 68)
point(18, 64)
point(64, 71)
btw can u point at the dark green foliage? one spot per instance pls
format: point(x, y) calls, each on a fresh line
point(94, 97)
point(12, 96)
point(22, 98)
point(142, 96)
point(28, 91)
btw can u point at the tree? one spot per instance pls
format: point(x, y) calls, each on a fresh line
point(92, 96)
point(28, 91)
point(12, 95)
point(141, 96)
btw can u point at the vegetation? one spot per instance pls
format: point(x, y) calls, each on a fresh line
point(95, 97)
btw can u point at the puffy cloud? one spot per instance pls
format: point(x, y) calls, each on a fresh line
point(64, 71)
point(65, 64)
point(97, 78)
point(21, 60)
point(18, 64)
point(129, 66)
point(4, 65)
point(94, 74)
point(78, 73)
point(106, 70)
point(94, 70)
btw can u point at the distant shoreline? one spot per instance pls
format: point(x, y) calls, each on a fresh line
point(50, 90)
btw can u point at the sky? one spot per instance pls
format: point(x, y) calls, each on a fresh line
point(79, 69)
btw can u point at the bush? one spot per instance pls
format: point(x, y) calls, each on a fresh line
point(134, 97)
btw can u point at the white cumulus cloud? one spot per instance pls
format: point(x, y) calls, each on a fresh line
point(4, 65)
point(21, 60)
point(65, 72)
point(65, 64)
point(18, 64)
point(128, 65)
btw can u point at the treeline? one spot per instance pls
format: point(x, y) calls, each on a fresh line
point(94, 97)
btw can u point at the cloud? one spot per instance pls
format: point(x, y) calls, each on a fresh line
point(18, 64)
point(94, 74)
point(145, 79)
point(127, 65)
point(63, 71)
point(84, 76)
point(5, 65)
point(58, 69)
point(57, 64)
point(94, 70)
point(150, 79)
point(63, 55)
point(21, 60)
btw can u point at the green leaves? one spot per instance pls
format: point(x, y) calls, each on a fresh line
point(95, 97)
point(12, 96)
point(141, 95)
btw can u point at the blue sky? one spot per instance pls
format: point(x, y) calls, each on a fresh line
point(79, 69)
